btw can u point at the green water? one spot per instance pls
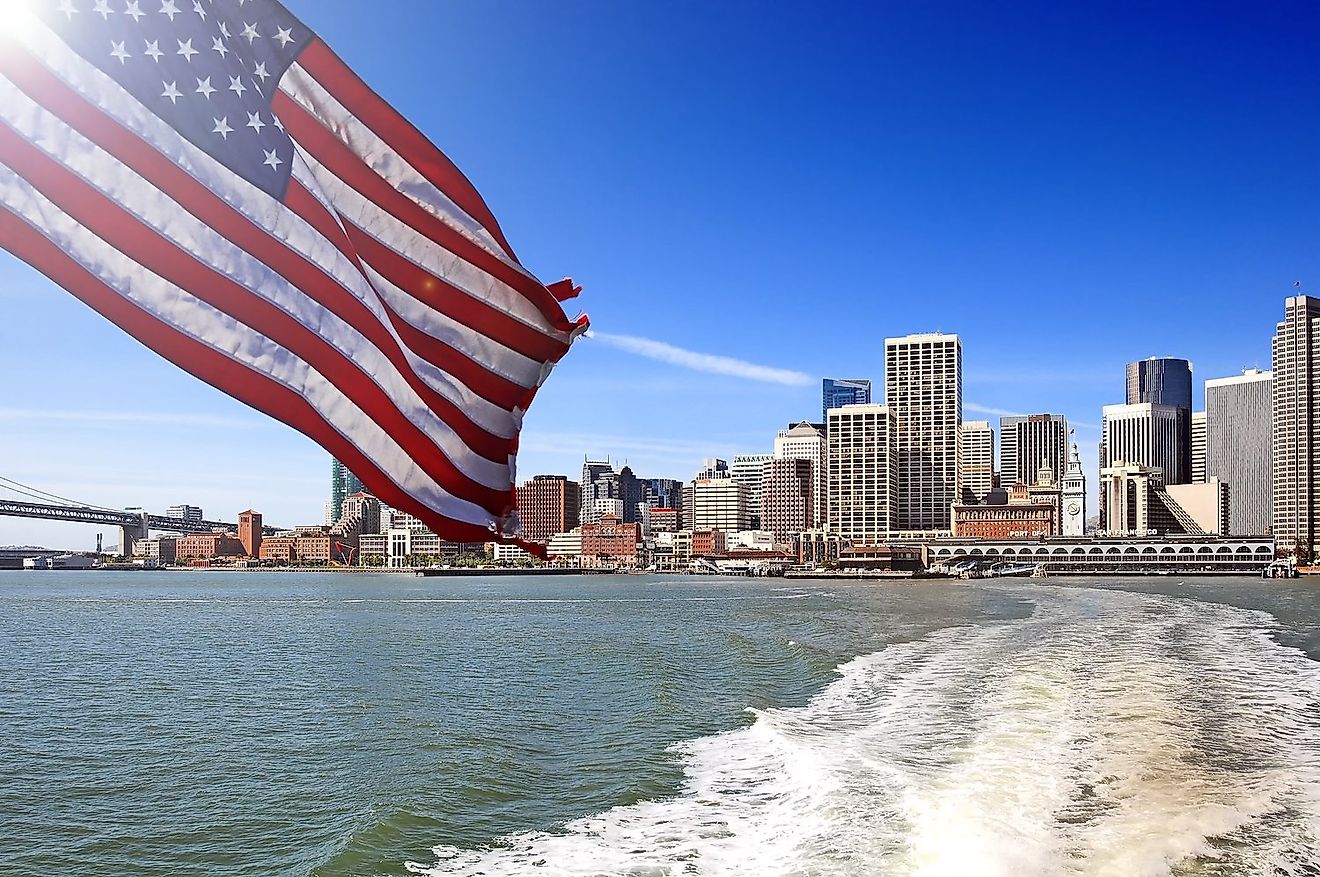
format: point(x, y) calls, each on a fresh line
point(260, 724)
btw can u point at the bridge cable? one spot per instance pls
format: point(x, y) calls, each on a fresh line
point(36, 493)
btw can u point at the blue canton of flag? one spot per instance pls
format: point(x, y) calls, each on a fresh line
point(208, 69)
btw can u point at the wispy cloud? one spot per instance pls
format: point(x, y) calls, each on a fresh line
point(703, 362)
point(109, 418)
point(986, 409)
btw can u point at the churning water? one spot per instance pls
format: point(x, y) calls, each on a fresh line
point(258, 725)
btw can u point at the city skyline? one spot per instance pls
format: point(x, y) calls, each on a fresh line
point(981, 187)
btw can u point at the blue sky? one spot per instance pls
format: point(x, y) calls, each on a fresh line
point(1066, 188)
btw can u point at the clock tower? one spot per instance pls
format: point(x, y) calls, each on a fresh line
point(1074, 496)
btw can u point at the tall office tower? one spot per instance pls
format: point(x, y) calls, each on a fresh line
point(978, 461)
point(1040, 440)
point(632, 493)
point(1146, 435)
point(547, 505)
point(716, 504)
point(1166, 381)
point(748, 470)
point(1296, 404)
point(786, 498)
point(600, 491)
point(1238, 451)
point(806, 441)
point(664, 493)
point(1198, 445)
point(343, 484)
point(923, 392)
point(1008, 456)
point(835, 392)
point(864, 473)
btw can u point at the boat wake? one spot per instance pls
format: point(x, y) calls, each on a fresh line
point(1109, 733)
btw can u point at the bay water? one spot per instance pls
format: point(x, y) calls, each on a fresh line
point(233, 724)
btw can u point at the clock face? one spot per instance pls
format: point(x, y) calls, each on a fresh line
point(1074, 508)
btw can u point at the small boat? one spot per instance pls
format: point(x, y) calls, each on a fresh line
point(1008, 569)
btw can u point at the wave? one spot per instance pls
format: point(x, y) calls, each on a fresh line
point(1109, 733)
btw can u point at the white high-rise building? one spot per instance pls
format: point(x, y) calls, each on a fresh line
point(1239, 449)
point(978, 461)
point(863, 480)
point(806, 441)
point(1148, 435)
point(923, 392)
point(1198, 444)
point(1296, 428)
point(716, 504)
point(749, 471)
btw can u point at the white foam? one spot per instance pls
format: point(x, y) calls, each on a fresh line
point(1109, 733)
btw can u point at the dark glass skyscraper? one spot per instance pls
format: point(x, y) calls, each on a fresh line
point(1166, 381)
point(837, 392)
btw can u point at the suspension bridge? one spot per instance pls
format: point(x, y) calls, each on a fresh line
point(18, 500)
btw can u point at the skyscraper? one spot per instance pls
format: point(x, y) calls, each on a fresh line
point(978, 461)
point(1296, 406)
point(1198, 444)
point(600, 491)
point(1039, 440)
point(863, 481)
point(343, 484)
point(923, 393)
point(1147, 435)
point(806, 441)
point(1008, 456)
point(1166, 381)
point(547, 505)
point(1238, 448)
point(749, 470)
point(786, 498)
point(835, 392)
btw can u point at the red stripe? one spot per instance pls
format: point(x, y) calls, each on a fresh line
point(200, 202)
point(392, 128)
point(127, 234)
point(435, 293)
point(249, 386)
point(348, 166)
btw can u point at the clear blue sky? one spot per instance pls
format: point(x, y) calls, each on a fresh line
point(1067, 188)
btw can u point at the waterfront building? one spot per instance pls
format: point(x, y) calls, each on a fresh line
point(161, 549)
point(1072, 496)
point(1207, 503)
point(787, 498)
point(280, 549)
point(1239, 448)
point(807, 441)
point(250, 532)
point(1148, 434)
point(1039, 440)
point(343, 484)
point(549, 504)
point(749, 471)
point(565, 548)
point(1199, 444)
point(978, 461)
point(610, 542)
point(208, 546)
point(1020, 518)
point(191, 513)
point(1166, 381)
point(371, 549)
point(1138, 503)
point(716, 503)
point(1296, 428)
point(708, 543)
point(837, 392)
point(750, 540)
point(863, 477)
point(923, 393)
point(663, 520)
point(1116, 556)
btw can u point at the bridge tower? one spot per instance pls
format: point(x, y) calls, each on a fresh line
point(130, 535)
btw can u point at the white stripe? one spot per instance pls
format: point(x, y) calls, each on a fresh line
point(256, 205)
point(208, 326)
point(300, 85)
point(424, 252)
point(156, 210)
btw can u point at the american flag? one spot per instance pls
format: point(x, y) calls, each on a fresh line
point(211, 178)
